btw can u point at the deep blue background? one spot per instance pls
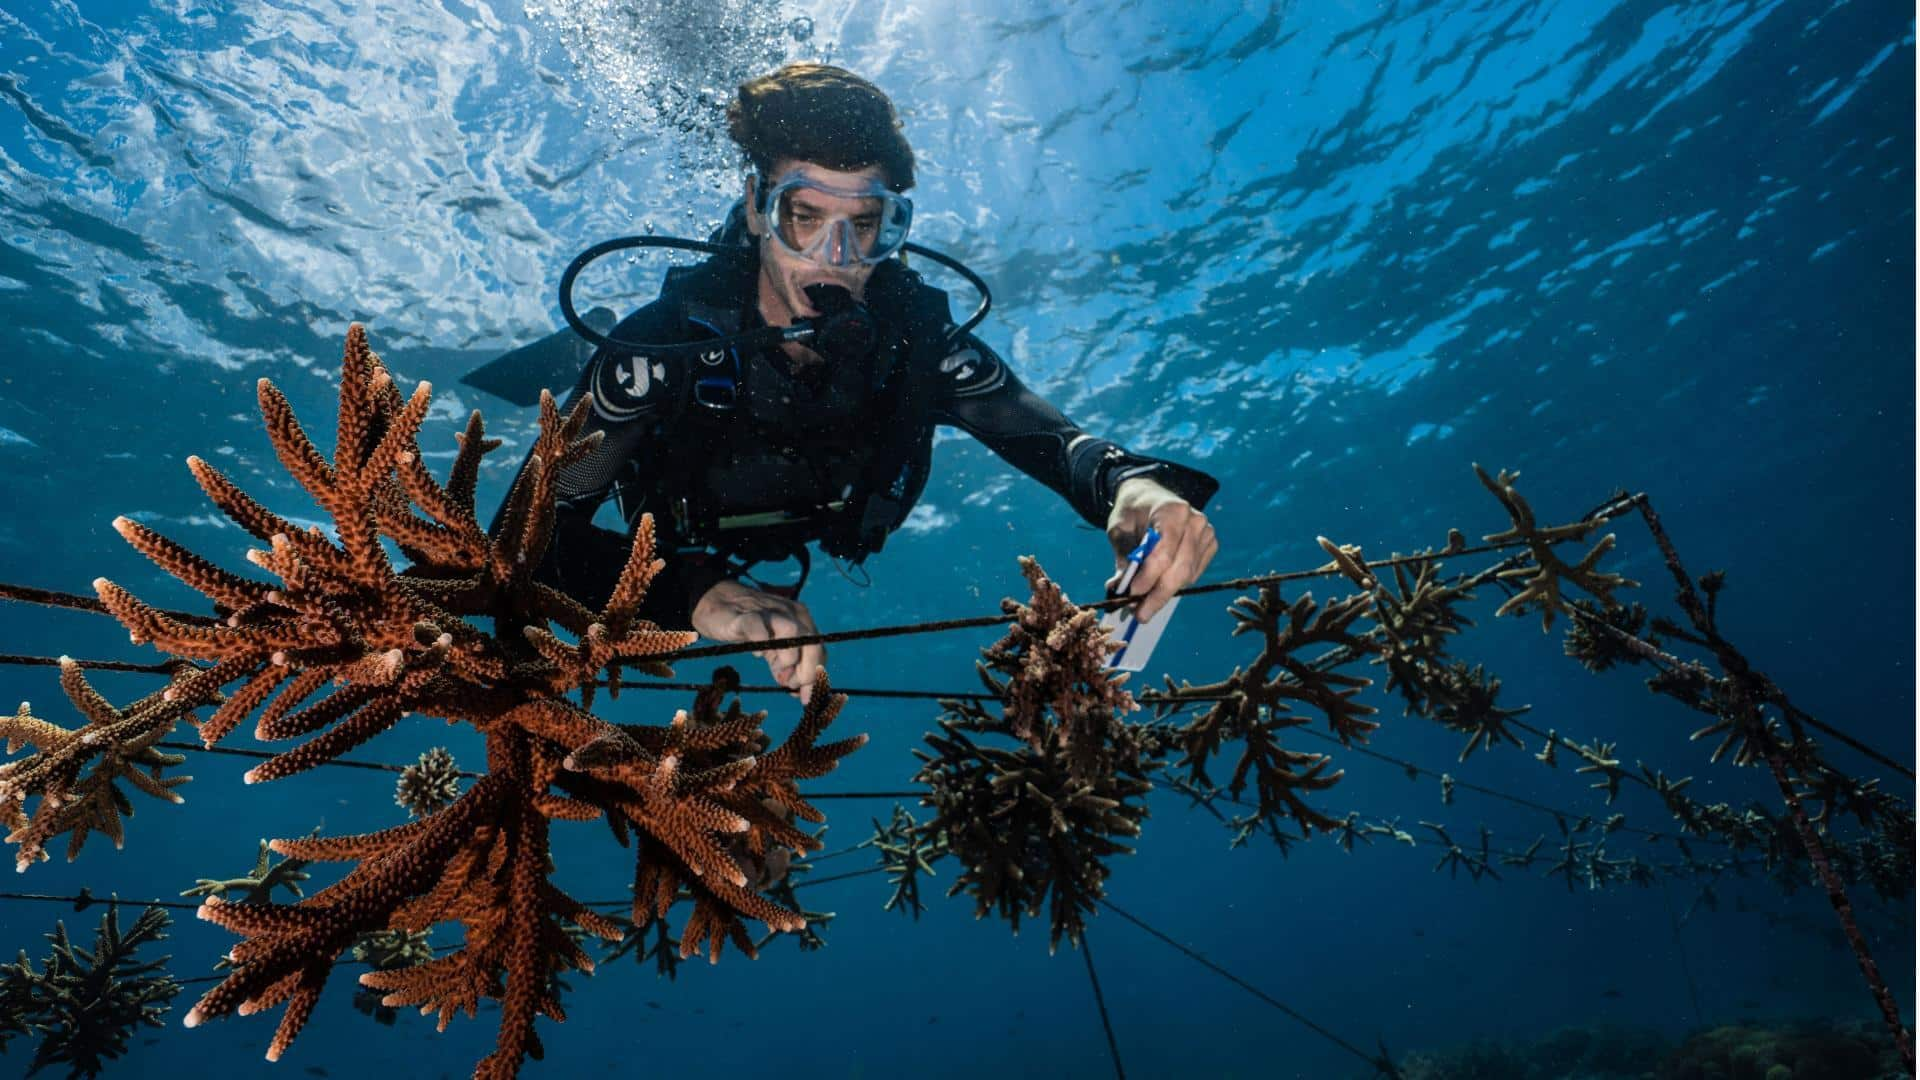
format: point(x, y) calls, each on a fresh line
point(1331, 252)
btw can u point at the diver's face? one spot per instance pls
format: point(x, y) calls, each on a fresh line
point(785, 275)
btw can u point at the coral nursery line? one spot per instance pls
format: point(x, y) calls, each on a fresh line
point(1032, 786)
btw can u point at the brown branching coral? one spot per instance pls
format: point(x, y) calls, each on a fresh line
point(1025, 828)
point(1470, 705)
point(118, 743)
point(1035, 823)
point(1413, 623)
point(1541, 582)
point(343, 645)
point(1254, 705)
point(1054, 657)
point(1600, 638)
point(701, 760)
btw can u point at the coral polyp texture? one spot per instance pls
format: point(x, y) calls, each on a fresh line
point(344, 645)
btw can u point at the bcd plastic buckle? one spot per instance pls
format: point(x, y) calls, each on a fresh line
point(716, 392)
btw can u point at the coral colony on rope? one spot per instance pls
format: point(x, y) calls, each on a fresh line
point(383, 645)
point(1030, 798)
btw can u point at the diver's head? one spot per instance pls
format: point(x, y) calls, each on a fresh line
point(828, 166)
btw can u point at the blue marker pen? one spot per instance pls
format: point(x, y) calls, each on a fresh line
point(1124, 626)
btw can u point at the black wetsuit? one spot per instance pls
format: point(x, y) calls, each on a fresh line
point(737, 453)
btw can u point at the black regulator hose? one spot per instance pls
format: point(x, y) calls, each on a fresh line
point(803, 332)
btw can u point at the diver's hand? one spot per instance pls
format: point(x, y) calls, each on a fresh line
point(731, 611)
point(1186, 546)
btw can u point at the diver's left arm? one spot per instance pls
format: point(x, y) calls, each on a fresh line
point(1110, 487)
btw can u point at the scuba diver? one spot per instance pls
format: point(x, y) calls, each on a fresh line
point(785, 391)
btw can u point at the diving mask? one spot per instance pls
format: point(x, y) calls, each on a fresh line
point(836, 226)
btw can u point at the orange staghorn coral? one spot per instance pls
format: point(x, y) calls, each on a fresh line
point(344, 645)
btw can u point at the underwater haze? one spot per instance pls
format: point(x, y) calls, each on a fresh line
point(1334, 253)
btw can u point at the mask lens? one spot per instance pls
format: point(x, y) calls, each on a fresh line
point(839, 228)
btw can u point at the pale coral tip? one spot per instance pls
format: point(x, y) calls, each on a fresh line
point(247, 777)
point(101, 584)
point(122, 524)
point(193, 1018)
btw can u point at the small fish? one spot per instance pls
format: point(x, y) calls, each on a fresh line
point(315, 1070)
point(1417, 932)
point(1611, 993)
point(654, 1005)
point(933, 1019)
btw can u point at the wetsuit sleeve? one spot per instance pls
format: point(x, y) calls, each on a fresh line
point(631, 396)
point(979, 394)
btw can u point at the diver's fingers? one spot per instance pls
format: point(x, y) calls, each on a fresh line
point(1153, 575)
point(765, 625)
point(813, 659)
point(1208, 550)
point(1195, 553)
point(1178, 570)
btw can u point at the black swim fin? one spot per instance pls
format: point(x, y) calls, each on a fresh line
point(552, 363)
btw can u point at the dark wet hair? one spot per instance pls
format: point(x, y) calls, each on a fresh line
point(821, 114)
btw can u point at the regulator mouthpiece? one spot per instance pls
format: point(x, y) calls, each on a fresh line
point(844, 329)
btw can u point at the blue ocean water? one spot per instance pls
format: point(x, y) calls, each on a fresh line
point(1333, 253)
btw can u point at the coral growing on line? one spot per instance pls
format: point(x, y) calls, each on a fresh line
point(429, 785)
point(118, 743)
point(465, 634)
point(1035, 823)
point(84, 1003)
